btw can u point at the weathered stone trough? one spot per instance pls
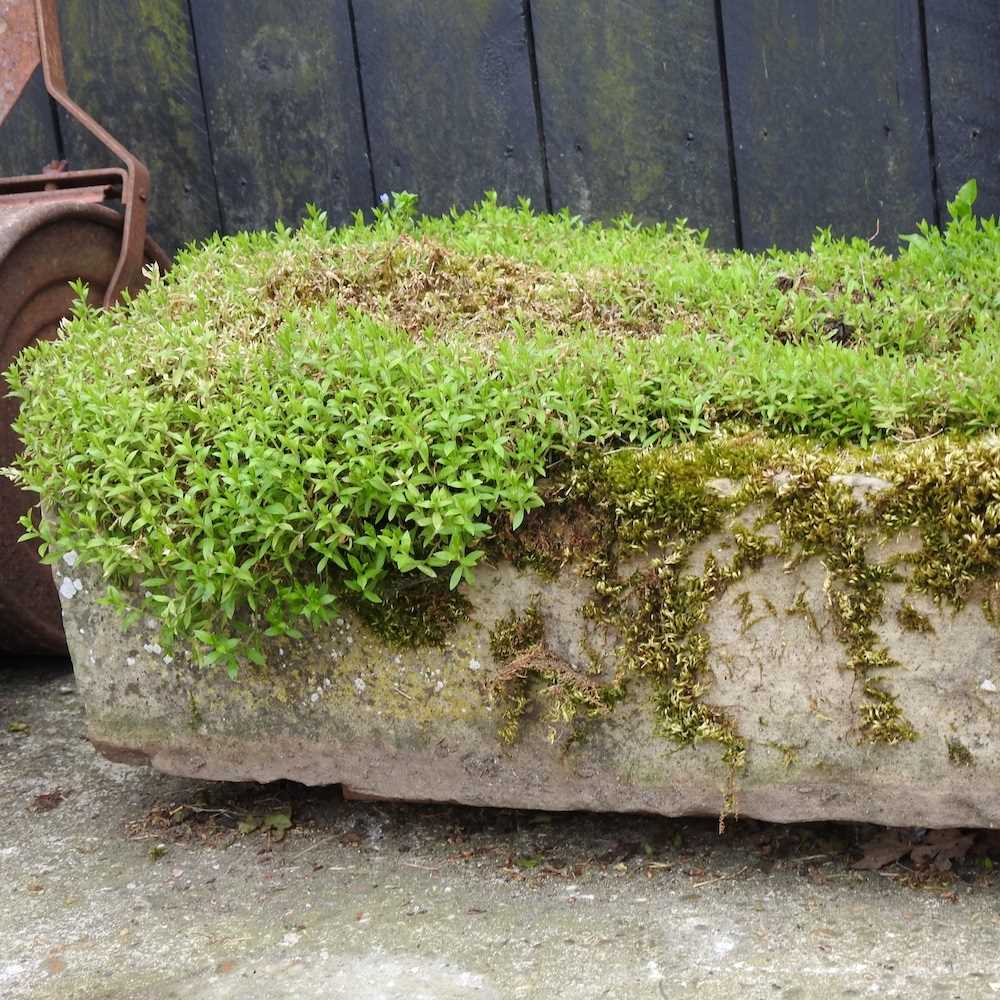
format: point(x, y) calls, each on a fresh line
point(537, 696)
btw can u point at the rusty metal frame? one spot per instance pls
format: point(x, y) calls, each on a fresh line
point(88, 186)
point(130, 185)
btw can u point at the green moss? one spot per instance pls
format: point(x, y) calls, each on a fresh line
point(566, 698)
point(959, 754)
point(661, 499)
point(414, 612)
point(652, 497)
point(660, 502)
point(752, 549)
point(788, 751)
point(882, 720)
point(800, 606)
point(946, 490)
point(913, 620)
point(530, 673)
point(196, 719)
point(515, 633)
point(659, 617)
point(991, 606)
point(819, 517)
point(548, 538)
point(744, 606)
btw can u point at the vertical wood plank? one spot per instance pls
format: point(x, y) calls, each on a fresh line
point(829, 118)
point(632, 106)
point(449, 98)
point(131, 64)
point(283, 107)
point(28, 139)
point(963, 56)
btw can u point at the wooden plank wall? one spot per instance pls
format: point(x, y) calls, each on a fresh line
point(830, 120)
point(634, 111)
point(449, 100)
point(758, 119)
point(29, 138)
point(283, 109)
point(963, 54)
point(132, 65)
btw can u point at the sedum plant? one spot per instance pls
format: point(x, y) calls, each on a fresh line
point(296, 419)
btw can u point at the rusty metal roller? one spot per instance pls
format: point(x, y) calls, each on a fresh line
point(54, 228)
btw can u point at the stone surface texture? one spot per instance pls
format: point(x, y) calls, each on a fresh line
point(419, 724)
point(139, 885)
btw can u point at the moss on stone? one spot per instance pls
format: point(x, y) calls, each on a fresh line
point(567, 697)
point(414, 612)
point(516, 633)
point(549, 537)
point(197, 720)
point(882, 720)
point(653, 497)
point(991, 605)
point(662, 502)
point(818, 516)
point(531, 673)
point(788, 751)
point(744, 607)
point(947, 490)
point(959, 754)
point(913, 620)
point(800, 606)
point(660, 618)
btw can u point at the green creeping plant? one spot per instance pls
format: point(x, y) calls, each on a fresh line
point(295, 419)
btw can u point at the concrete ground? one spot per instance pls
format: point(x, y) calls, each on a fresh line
point(123, 884)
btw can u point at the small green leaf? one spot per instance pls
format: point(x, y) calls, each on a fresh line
point(249, 824)
point(277, 825)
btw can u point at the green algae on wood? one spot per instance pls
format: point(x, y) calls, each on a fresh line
point(267, 69)
point(633, 112)
point(133, 67)
point(477, 103)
